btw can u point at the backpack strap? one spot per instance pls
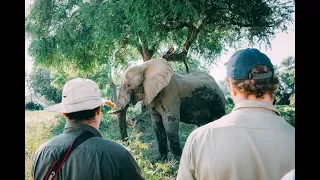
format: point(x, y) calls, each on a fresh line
point(56, 166)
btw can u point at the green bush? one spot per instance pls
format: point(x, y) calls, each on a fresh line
point(31, 106)
point(288, 113)
point(229, 104)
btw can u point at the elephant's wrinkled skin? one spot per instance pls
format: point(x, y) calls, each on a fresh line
point(195, 98)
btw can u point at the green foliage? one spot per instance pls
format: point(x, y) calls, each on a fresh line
point(150, 169)
point(194, 65)
point(100, 74)
point(229, 105)
point(31, 106)
point(286, 74)
point(85, 34)
point(288, 113)
point(40, 81)
point(225, 89)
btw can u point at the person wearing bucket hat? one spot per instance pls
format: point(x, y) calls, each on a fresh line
point(251, 142)
point(93, 157)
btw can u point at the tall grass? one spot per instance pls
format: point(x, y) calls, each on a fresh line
point(38, 129)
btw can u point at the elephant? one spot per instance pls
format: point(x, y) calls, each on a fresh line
point(194, 98)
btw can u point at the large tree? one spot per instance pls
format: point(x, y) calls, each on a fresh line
point(85, 33)
point(40, 81)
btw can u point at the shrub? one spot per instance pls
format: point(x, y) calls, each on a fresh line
point(288, 113)
point(31, 106)
point(229, 104)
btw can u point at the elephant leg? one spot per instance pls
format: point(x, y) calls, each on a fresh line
point(171, 124)
point(161, 136)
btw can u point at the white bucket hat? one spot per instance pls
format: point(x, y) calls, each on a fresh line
point(78, 94)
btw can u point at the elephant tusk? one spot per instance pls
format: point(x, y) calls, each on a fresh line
point(115, 111)
point(119, 110)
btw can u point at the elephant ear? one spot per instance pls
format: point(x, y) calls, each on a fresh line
point(157, 76)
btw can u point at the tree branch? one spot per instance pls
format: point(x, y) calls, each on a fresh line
point(252, 25)
point(191, 36)
point(186, 65)
point(174, 25)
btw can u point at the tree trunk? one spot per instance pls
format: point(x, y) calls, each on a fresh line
point(114, 92)
point(190, 38)
point(113, 86)
point(145, 52)
point(146, 56)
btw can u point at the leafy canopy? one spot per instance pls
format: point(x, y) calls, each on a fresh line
point(85, 33)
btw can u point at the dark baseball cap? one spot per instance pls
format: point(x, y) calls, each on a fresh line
point(241, 62)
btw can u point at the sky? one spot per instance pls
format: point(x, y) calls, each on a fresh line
point(282, 46)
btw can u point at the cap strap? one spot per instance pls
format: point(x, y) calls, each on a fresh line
point(261, 76)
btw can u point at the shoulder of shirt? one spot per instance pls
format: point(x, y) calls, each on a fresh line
point(109, 143)
point(95, 143)
point(223, 122)
point(113, 146)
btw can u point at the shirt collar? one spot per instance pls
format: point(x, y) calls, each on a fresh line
point(255, 104)
point(71, 126)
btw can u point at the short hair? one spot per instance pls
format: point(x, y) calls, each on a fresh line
point(257, 87)
point(83, 115)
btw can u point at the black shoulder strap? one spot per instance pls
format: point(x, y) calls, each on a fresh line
point(55, 168)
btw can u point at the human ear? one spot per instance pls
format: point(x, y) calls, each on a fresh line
point(233, 92)
point(98, 112)
point(64, 115)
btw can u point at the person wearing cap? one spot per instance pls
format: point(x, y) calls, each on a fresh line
point(253, 141)
point(95, 158)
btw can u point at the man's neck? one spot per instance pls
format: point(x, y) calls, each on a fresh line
point(94, 123)
point(265, 98)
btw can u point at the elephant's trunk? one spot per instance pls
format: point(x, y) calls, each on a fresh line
point(123, 102)
point(122, 123)
point(122, 105)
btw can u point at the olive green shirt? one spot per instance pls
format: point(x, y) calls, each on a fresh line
point(253, 142)
point(96, 158)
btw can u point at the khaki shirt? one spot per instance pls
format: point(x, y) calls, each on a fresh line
point(251, 143)
point(96, 158)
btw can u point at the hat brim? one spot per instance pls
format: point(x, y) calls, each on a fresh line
point(86, 105)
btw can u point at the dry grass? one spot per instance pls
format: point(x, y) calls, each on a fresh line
point(38, 125)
